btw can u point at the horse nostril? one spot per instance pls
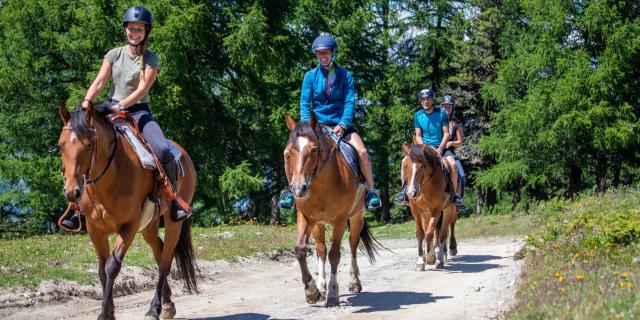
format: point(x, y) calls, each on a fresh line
point(303, 188)
point(76, 194)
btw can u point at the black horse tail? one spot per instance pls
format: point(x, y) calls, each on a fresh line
point(369, 244)
point(184, 256)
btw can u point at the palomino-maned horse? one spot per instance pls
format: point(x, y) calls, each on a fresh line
point(106, 178)
point(326, 191)
point(430, 206)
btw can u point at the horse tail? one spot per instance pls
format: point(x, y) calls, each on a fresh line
point(184, 256)
point(369, 244)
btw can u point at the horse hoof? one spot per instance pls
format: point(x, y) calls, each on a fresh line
point(102, 316)
point(313, 296)
point(355, 287)
point(168, 311)
point(431, 258)
point(440, 265)
point(332, 302)
point(453, 251)
point(420, 267)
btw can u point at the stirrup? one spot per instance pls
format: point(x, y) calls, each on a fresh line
point(286, 200)
point(401, 198)
point(372, 196)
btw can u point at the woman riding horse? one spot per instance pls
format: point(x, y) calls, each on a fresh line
point(133, 70)
point(328, 91)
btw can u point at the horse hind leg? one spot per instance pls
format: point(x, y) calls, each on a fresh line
point(356, 225)
point(453, 245)
point(150, 235)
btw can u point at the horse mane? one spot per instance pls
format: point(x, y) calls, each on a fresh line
point(302, 129)
point(424, 154)
point(78, 120)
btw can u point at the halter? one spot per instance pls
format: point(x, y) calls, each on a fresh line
point(317, 168)
point(433, 172)
point(94, 153)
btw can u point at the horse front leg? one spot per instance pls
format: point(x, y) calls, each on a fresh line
point(333, 293)
point(420, 228)
point(302, 228)
point(431, 226)
point(112, 269)
point(101, 244)
point(317, 231)
point(441, 236)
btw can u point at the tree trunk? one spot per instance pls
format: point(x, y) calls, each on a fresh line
point(479, 201)
point(516, 195)
point(575, 179)
point(385, 214)
point(601, 173)
point(275, 211)
point(616, 166)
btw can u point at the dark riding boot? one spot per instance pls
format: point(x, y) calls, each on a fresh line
point(73, 222)
point(456, 200)
point(178, 213)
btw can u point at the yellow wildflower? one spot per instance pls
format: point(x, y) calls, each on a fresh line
point(624, 275)
point(580, 277)
point(560, 278)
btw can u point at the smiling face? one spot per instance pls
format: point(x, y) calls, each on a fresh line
point(136, 32)
point(448, 107)
point(324, 57)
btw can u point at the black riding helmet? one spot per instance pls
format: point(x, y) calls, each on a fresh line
point(447, 100)
point(424, 93)
point(324, 42)
point(138, 14)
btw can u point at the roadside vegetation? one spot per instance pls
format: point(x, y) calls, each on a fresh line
point(584, 261)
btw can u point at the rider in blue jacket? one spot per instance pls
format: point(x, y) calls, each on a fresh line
point(329, 92)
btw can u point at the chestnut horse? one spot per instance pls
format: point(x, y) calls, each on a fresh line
point(430, 206)
point(106, 178)
point(326, 191)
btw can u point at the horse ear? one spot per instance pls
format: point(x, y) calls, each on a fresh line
point(313, 121)
point(290, 122)
point(405, 148)
point(64, 113)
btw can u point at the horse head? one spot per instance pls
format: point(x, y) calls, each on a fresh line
point(419, 163)
point(77, 146)
point(304, 154)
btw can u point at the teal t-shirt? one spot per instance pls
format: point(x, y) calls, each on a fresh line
point(431, 125)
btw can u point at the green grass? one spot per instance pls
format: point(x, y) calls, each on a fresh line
point(584, 262)
point(29, 261)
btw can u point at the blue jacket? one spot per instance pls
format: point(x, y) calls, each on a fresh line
point(336, 109)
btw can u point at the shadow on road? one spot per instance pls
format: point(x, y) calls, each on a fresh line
point(240, 316)
point(474, 258)
point(385, 301)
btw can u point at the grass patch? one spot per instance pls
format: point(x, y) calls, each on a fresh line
point(29, 261)
point(467, 227)
point(584, 262)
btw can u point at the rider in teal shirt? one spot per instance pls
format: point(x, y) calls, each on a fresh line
point(432, 127)
point(328, 91)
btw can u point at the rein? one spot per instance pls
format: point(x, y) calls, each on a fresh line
point(317, 168)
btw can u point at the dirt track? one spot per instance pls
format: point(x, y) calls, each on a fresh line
point(477, 284)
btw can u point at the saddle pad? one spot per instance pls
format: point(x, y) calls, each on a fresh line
point(146, 159)
point(348, 151)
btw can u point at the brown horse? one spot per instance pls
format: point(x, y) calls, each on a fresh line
point(106, 178)
point(425, 185)
point(326, 192)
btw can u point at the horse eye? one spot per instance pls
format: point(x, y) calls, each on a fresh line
point(88, 147)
